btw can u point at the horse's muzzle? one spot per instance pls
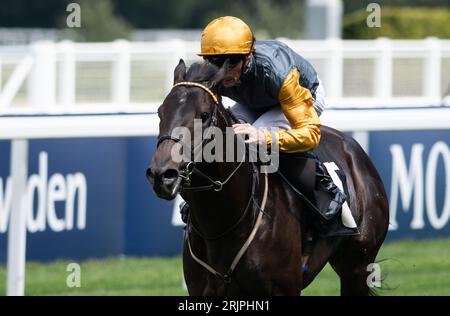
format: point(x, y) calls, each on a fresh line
point(166, 183)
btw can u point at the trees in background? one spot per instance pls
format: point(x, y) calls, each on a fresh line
point(270, 18)
point(356, 5)
point(99, 23)
point(104, 20)
point(400, 23)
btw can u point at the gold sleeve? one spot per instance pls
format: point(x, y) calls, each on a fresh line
point(296, 104)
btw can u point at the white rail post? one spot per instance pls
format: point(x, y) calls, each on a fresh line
point(121, 74)
point(42, 83)
point(383, 70)
point(432, 69)
point(67, 74)
point(177, 50)
point(17, 233)
point(336, 68)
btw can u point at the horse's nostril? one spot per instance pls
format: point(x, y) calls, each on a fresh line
point(170, 174)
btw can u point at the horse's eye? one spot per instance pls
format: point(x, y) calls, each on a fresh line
point(204, 116)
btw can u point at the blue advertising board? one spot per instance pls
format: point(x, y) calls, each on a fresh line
point(89, 198)
point(415, 168)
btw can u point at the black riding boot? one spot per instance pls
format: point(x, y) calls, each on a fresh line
point(332, 226)
point(325, 183)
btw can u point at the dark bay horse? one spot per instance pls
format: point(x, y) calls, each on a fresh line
point(242, 237)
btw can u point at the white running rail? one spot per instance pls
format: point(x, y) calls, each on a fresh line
point(121, 76)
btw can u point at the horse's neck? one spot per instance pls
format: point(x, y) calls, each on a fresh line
point(214, 212)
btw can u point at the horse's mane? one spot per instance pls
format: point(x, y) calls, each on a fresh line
point(201, 71)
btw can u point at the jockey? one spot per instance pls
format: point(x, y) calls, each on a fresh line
point(272, 86)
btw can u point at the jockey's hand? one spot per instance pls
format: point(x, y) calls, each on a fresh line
point(254, 134)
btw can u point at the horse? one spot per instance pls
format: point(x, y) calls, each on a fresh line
point(243, 237)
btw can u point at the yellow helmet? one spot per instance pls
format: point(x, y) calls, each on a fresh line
point(226, 35)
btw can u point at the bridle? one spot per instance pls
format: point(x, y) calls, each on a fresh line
point(218, 185)
point(213, 120)
point(190, 168)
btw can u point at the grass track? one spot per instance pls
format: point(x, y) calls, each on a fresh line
point(411, 268)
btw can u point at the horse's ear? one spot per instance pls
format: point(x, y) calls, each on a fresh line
point(180, 72)
point(220, 75)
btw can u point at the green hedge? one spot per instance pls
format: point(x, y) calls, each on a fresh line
point(399, 23)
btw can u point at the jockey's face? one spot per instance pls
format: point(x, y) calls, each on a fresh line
point(235, 67)
point(233, 75)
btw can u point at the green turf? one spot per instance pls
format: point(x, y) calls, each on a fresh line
point(411, 268)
